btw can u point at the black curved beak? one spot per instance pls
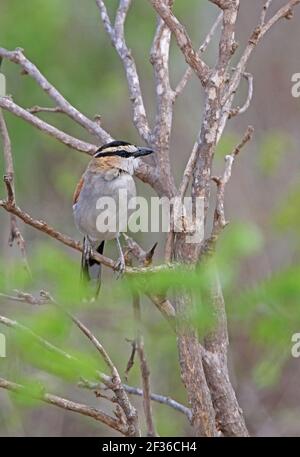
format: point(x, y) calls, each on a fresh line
point(143, 152)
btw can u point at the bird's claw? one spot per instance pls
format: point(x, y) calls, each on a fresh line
point(120, 267)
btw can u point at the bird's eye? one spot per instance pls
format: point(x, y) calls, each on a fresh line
point(125, 154)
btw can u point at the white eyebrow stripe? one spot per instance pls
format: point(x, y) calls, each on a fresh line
point(110, 149)
point(115, 149)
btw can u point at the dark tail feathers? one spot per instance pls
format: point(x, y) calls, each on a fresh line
point(91, 269)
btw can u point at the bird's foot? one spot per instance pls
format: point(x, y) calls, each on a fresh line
point(120, 267)
point(87, 249)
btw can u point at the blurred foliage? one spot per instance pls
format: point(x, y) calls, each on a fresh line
point(287, 215)
point(273, 148)
point(66, 41)
point(267, 312)
point(269, 309)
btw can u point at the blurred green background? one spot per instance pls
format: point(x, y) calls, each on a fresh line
point(259, 251)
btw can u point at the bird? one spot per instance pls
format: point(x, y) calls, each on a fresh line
point(109, 172)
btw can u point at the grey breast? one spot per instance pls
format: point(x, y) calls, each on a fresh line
point(101, 211)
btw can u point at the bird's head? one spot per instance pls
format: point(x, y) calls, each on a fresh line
point(121, 155)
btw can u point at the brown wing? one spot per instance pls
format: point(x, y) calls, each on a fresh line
point(78, 190)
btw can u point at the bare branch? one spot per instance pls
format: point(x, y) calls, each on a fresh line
point(7, 152)
point(227, 45)
point(183, 40)
point(223, 4)
point(7, 104)
point(117, 37)
point(264, 12)
point(105, 17)
point(188, 73)
point(29, 68)
point(116, 383)
point(26, 298)
point(284, 12)
point(145, 258)
point(65, 239)
point(131, 359)
point(219, 216)
point(43, 299)
point(139, 392)
point(50, 231)
point(69, 405)
point(44, 343)
point(117, 387)
point(44, 109)
point(159, 58)
point(241, 110)
point(144, 171)
point(121, 16)
point(15, 234)
point(145, 373)
point(229, 415)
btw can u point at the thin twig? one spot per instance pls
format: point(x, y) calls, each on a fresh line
point(145, 260)
point(241, 110)
point(131, 359)
point(162, 399)
point(44, 109)
point(264, 12)
point(117, 37)
point(17, 56)
point(68, 241)
point(145, 372)
point(44, 343)
point(15, 234)
point(66, 404)
point(161, 132)
point(188, 73)
point(116, 383)
point(183, 40)
point(43, 299)
point(70, 141)
point(219, 222)
point(50, 231)
point(122, 398)
point(260, 31)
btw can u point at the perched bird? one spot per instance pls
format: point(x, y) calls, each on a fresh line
point(109, 172)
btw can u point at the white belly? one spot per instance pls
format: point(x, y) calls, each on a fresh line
point(101, 211)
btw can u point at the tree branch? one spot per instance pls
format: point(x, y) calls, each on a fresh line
point(183, 40)
point(17, 56)
point(70, 141)
point(145, 373)
point(188, 73)
point(44, 109)
point(159, 58)
point(219, 222)
point(115, 383)
point(69, 405)
point(264, 12)
point(284, 12)
point(117, 37)
point(229, 416)
point(241, 110)
point(139, 392)
point(117, 387)
point(227, 45)
point(15, 234)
